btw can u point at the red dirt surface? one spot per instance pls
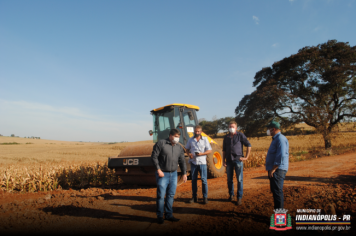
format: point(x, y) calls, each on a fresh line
point(327, 183)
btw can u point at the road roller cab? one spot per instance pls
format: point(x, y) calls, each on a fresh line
point(134, 164)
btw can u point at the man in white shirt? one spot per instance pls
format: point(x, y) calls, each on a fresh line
point(198, 147)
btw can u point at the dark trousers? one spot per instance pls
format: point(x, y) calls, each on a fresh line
point(166, 186)
point(238, 167)
point(276, 184)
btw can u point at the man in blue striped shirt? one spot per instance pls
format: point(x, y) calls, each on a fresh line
point(277, 162)
point(198, 147)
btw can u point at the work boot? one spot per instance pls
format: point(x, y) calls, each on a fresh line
point(160, 220)
point(239, 202)
point(173, 219)
point(205, 200)
point(194, 199)
point(231, 198)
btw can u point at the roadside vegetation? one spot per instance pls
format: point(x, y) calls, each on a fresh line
point(49, 165)
point(308, 145)
point(49, 177)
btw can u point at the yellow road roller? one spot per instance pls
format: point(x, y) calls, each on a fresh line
point(134, 164)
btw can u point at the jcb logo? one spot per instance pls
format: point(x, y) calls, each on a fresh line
point(130, 162)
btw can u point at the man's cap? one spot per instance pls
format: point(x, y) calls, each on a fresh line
point(274, 124)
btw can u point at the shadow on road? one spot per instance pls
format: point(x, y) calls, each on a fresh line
point(178, 210)
point(95, 213)
point(74, 211)
point(108, 196)
point(203, 212)
point(341, 179)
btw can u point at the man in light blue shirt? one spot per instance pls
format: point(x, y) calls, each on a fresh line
point(198, 147)
point(277, 162)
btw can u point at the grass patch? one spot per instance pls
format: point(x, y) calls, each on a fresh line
point(313, 154)
point(299, 158)
point(29, 143)
point(299, 153)
point(13, 143)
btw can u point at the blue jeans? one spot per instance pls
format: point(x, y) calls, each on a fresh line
point(276, 183)
point(166, 185)
point(238, 167)
point(203, 174)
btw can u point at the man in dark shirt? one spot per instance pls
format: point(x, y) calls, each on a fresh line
point(166, 155)
point(233, 158)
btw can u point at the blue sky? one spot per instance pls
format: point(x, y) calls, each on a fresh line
point(92, 70)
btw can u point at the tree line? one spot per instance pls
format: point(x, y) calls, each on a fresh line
point(216, 125)
point(316, 86)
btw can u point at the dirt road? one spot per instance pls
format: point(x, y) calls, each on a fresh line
point(326, 183)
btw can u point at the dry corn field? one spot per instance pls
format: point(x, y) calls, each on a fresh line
point(46, 178)
point(300, 145)
point(32, 165)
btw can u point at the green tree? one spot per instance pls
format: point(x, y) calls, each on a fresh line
point(224, 123)
point(210, 127)
point(316, 86)
point(216, 125)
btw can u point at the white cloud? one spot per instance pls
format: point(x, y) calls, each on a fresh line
point(24, 118)
point(317, 28)
point(255, 18)
point(23, 105)
point(275, 45)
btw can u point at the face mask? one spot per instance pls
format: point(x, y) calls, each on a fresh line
point(196, 135)
point(268, 132)
point(175, 140)
point(232, 130)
